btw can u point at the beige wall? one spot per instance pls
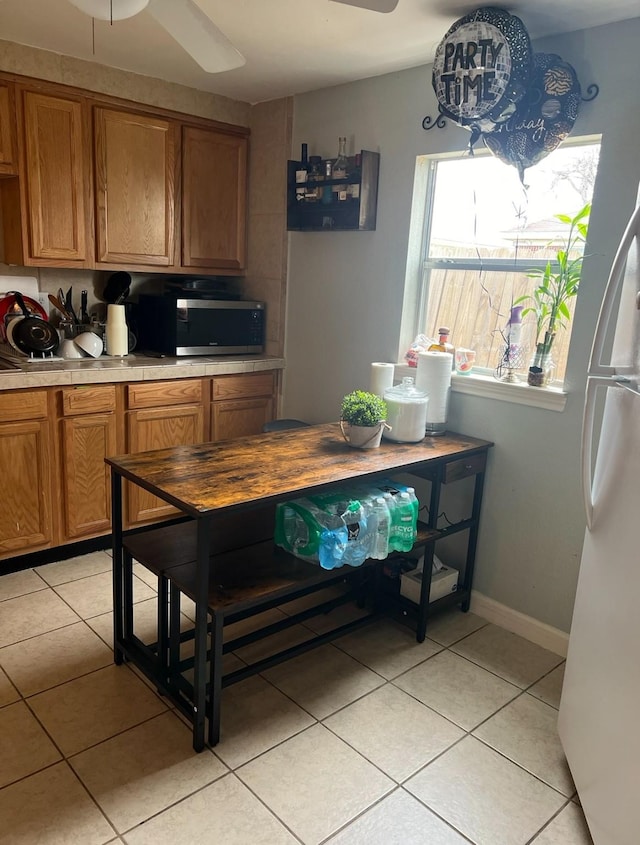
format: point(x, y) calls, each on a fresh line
point(267, 268)
point(29, 61)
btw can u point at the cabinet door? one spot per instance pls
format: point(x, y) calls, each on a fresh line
point(56, 171)
point(158, 428)
point(135, 184)
point(240, 417)
point(87, 436)
point(25, 459)
point(86, 481)
point(214, 188)
point(7, 129)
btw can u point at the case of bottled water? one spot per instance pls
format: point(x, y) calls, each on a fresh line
point(349, 525)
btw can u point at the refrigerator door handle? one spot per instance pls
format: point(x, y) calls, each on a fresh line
point(610, 294)
point(586, 448)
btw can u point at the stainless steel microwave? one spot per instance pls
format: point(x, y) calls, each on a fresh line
point(172, 326)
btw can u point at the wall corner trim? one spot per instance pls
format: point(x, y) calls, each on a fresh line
point(525, 626)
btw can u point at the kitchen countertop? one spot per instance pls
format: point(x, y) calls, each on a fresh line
point(130, 368)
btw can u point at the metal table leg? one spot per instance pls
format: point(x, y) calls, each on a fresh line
point(118, 575)
point(200, 657)
point(215, 686)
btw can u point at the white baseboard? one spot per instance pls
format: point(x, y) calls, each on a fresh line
point(531, 629)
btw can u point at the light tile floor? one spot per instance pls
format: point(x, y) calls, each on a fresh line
point(372, 739)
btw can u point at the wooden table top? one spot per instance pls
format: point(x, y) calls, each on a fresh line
point(234, 473)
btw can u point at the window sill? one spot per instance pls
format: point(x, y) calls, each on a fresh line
point(477, 384)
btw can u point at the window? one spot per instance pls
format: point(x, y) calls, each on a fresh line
point(483, 232)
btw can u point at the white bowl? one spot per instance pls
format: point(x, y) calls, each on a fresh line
point(68, 349)
point(89, 343)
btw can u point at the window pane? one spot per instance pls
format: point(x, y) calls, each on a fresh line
point(476, 305)
point(480, 205)
point(491, 231)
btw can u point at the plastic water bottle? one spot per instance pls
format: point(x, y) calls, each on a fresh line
point(416, 508)
point(333, 544)
point(394, 519)
point(358, 538)
point(381, 537)
point(404, 522)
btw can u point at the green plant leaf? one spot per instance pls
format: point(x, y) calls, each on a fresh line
point(560, 280)
point(362, 408)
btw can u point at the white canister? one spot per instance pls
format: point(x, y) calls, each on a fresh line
point(406, 412)
point(116, 333)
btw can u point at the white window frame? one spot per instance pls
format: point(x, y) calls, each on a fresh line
point(479, 382)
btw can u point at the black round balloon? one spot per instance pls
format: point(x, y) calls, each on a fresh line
point(543, 119)
point(481, 68)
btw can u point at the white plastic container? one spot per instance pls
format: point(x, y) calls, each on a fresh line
point(406, 412)
point(117, 333)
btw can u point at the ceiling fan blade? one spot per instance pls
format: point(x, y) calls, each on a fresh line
point(196, 34)
point(373, 5)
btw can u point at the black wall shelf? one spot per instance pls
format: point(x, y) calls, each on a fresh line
point(350, 215)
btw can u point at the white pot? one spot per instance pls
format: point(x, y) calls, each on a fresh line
point(363, 436)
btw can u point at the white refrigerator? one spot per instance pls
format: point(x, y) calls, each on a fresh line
point(599, 722)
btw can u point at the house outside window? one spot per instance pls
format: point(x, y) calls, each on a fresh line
point(483, 233)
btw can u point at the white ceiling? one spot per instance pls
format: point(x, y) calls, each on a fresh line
point(291, 46)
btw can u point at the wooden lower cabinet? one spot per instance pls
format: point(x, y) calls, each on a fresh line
point(87, 435)
point(241, 404)
point(160, 414)
point(53, 442)
point(26, 515)
point(240, 417)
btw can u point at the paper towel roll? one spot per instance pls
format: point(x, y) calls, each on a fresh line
point(434, 377)
point(381, 377)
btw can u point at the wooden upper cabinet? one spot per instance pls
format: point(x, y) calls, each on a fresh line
point(46, 211)
point(91, 182)
point(8, 163)
point(214, 189)
point(135, 187)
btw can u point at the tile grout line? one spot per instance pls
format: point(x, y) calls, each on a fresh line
point(385, 681)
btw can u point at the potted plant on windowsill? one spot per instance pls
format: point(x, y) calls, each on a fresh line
point(558, 283)
point(364, 415)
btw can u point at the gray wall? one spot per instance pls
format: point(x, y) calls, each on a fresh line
point(345, 295)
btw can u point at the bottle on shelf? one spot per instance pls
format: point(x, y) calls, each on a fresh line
point(354, 172)
point(404, 533)
point(340, 169)
point(314, 194)
point(302, 174)
point(415, 504)
point(358, 535)
point(327, 191)
point(381, 540)
point(394, 516)
point(443, 344)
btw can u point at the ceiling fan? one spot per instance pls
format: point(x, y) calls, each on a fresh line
point(191, 28)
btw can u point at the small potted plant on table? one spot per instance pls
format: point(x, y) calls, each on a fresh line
point(557, 284)
point(362, 419)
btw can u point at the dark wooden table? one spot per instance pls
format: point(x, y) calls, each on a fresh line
point(214, 481)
